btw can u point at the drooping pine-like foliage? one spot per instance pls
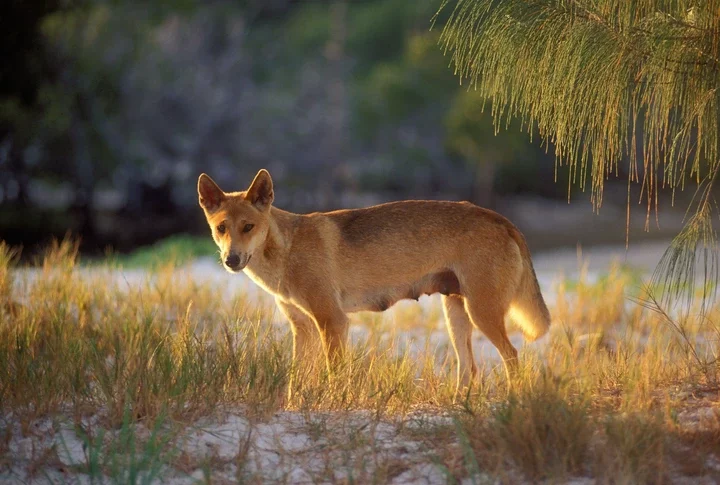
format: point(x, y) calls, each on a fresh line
point(609, 82)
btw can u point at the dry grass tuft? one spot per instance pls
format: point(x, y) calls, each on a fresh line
point(540, 429)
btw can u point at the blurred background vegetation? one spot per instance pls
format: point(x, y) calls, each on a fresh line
point(110, 109)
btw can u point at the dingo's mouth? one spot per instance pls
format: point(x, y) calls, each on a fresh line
point(233, 267)
point(243, 264)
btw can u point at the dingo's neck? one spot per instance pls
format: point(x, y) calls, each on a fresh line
point(267, 266)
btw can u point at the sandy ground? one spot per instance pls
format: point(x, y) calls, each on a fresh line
point(283, 448)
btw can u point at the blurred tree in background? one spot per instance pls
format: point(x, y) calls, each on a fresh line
point(27, 74)
point(612, 84)
point(110, 109)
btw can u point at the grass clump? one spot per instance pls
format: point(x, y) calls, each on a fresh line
point(89, 341)
point(133, 454)
point(542, 430)
point(633, 448)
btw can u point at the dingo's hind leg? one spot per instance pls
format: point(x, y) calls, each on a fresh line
point(487, 311)
point(460, 330)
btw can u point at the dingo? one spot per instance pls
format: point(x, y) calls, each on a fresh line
point(321, 266)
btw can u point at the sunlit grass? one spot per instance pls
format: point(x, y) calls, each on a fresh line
point(611, 393)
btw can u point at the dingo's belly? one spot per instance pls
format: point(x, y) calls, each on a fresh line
point(379, 299)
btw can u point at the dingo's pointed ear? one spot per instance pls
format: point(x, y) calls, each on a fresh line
point(260, 193)
point(211, 196)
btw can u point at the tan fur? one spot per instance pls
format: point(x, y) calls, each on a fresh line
point(321, 266)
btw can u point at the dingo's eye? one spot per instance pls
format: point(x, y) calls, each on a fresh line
point(248, 227)
point(221, 228)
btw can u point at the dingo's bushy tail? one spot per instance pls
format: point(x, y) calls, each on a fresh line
point(527, 308)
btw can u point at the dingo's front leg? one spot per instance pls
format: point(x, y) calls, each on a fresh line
point(305, 341)
point(332, 323)
point(305, 344)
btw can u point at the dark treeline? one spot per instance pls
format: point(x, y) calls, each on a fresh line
point(109, 110)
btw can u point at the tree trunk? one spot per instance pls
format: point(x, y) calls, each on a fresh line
point(337, 94)
point(484, 186)
point(18, 173)
point(84, 181)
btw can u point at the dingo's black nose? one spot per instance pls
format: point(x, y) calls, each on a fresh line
point(232, 261)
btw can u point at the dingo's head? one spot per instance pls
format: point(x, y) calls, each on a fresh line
point(239, 221)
